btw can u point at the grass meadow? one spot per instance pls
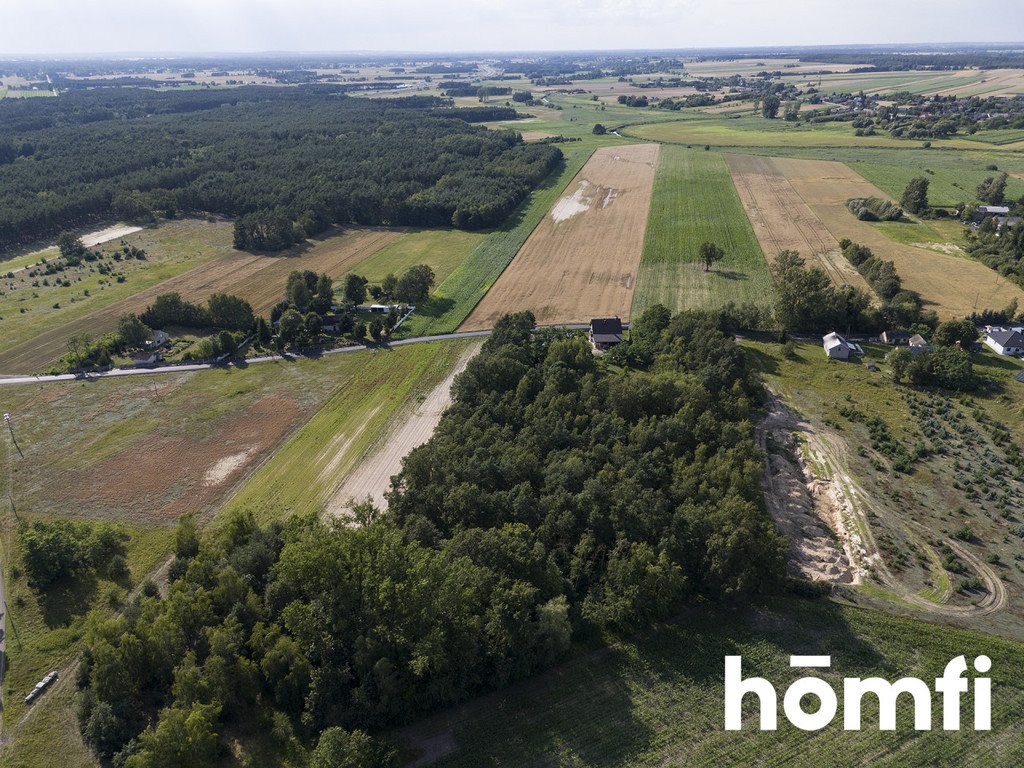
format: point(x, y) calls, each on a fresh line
point(695, 201)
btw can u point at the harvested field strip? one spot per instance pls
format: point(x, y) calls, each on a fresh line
point(581, 261)
point(257, 278)
point(456, 297)
point(954, 286)
point(309, 468)
point(694, 201)
point(334, 255)
point(409, 429)
point(783, 221)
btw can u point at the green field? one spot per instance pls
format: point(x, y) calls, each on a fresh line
point(760, 133)
point(372, 388)
point(27, 306)
point(657, 700)
point(441, 249)
point(695, 201)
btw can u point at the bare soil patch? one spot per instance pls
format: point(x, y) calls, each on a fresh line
point(164, 477)
point(581, 260)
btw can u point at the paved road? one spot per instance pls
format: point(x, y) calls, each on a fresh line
point(116, 372)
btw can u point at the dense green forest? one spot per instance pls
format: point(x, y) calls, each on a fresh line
point(296, 159)
point(559, 496)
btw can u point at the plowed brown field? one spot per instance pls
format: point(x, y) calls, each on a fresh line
point(581, 260)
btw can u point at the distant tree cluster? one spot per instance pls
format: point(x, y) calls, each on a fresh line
point(874, 209)
point(288, 161)
point(62, 550)
point(222, 311)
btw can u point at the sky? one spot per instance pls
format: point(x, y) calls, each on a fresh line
point(60, 27)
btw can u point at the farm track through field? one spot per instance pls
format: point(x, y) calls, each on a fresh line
point(371, 476)
point(260, 279)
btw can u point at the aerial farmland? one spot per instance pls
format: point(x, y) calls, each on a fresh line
point(306, 409)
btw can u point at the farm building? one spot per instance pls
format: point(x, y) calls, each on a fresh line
point(157, 340)
point(1006, 341)
point(895, 338)
point(331, 323)
point(839, 348)
point(605, 332)
point(985, 211)
point(918, 344)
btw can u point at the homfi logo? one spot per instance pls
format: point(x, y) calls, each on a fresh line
point(915, 692)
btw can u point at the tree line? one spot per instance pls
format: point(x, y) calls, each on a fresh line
point(293, 160)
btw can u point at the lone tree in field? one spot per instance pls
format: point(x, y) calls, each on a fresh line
point(915, 196)
point(770, 107)
point(709, 254)
point(600, 130)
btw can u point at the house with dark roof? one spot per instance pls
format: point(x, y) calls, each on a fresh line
point(1006, 341)
point(605, 332)
point(895, 338)
point(918, 344)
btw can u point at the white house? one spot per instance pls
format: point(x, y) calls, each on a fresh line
point(1006, 341)
point(839, 348)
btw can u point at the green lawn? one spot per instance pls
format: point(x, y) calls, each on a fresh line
point(657, 700)
point(695, 201)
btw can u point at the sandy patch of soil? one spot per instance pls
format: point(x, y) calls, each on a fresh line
point(372, 476)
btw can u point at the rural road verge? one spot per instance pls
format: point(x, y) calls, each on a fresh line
point(118, 372)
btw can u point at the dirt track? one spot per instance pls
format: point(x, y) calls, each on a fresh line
point(581, 260)
point(372, 476)
point(844, 503)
